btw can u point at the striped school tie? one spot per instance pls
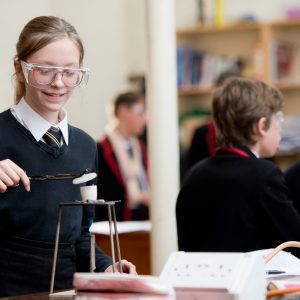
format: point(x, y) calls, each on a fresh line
point(53, 137)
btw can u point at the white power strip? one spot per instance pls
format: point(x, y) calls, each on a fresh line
point(238, 276)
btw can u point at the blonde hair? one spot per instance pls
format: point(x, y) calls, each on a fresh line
point(38, 33)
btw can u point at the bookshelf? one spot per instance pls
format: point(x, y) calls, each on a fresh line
point(268, 51)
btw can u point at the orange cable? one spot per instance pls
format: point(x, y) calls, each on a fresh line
point(270, 255)
point(282, 292)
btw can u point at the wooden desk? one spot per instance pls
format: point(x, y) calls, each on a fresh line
point(135, 247)
point(45, 296)
point(92, 296)
point(36, 296)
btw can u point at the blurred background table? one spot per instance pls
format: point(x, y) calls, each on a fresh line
point(134, 239)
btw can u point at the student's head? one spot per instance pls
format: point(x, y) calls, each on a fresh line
point(129, 110)
point(247, 113)
point(225, 75)
point(47, 42)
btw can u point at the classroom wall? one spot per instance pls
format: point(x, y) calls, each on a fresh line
point(113, 32)
point(102, 26)
point(114, 49)
point(11, 25)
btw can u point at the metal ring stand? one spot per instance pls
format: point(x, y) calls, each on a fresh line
point(111, 220)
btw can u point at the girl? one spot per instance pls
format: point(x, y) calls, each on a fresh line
point(37, 139)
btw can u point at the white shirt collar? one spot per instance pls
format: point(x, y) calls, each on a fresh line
point(255, 153)
point(36, 124)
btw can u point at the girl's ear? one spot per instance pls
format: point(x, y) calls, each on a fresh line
point(260, 127)
point(18, 70)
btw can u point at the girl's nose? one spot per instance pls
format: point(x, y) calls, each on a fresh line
point(58, 80)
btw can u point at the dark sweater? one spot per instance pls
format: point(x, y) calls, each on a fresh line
point(233, 203)
point(33, 215)
point(111, 184)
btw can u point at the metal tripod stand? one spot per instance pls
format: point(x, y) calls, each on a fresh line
point(114, 238)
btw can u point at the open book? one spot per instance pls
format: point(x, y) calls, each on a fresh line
point(281, 265)
point(283, 274)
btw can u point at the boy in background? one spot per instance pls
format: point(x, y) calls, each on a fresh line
point(123, 160)
point(235, 201)
point(203, 142)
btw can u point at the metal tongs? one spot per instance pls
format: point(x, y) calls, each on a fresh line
point(82, 177)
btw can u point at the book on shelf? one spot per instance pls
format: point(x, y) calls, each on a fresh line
point(198, 68)
point(189, 65)
point(281, 61)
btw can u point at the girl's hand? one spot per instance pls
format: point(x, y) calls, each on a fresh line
point(11, 175)
point(127, 267)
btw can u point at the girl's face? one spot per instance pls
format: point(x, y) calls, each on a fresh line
point(48, 100)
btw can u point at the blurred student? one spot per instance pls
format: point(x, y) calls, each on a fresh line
point(236, 201)
point(204, 138)
point(292, 178)
point(123, 160)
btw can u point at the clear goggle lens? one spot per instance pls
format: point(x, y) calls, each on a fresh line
point(43, 75)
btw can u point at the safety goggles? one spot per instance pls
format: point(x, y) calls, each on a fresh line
point(41, 76)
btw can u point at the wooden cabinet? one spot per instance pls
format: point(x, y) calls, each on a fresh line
point(135, 247)
point(258, 46)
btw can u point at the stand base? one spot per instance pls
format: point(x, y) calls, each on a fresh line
point(71, 294)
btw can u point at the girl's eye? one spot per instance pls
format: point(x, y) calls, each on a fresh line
point(44, 72)
point(70, 73)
